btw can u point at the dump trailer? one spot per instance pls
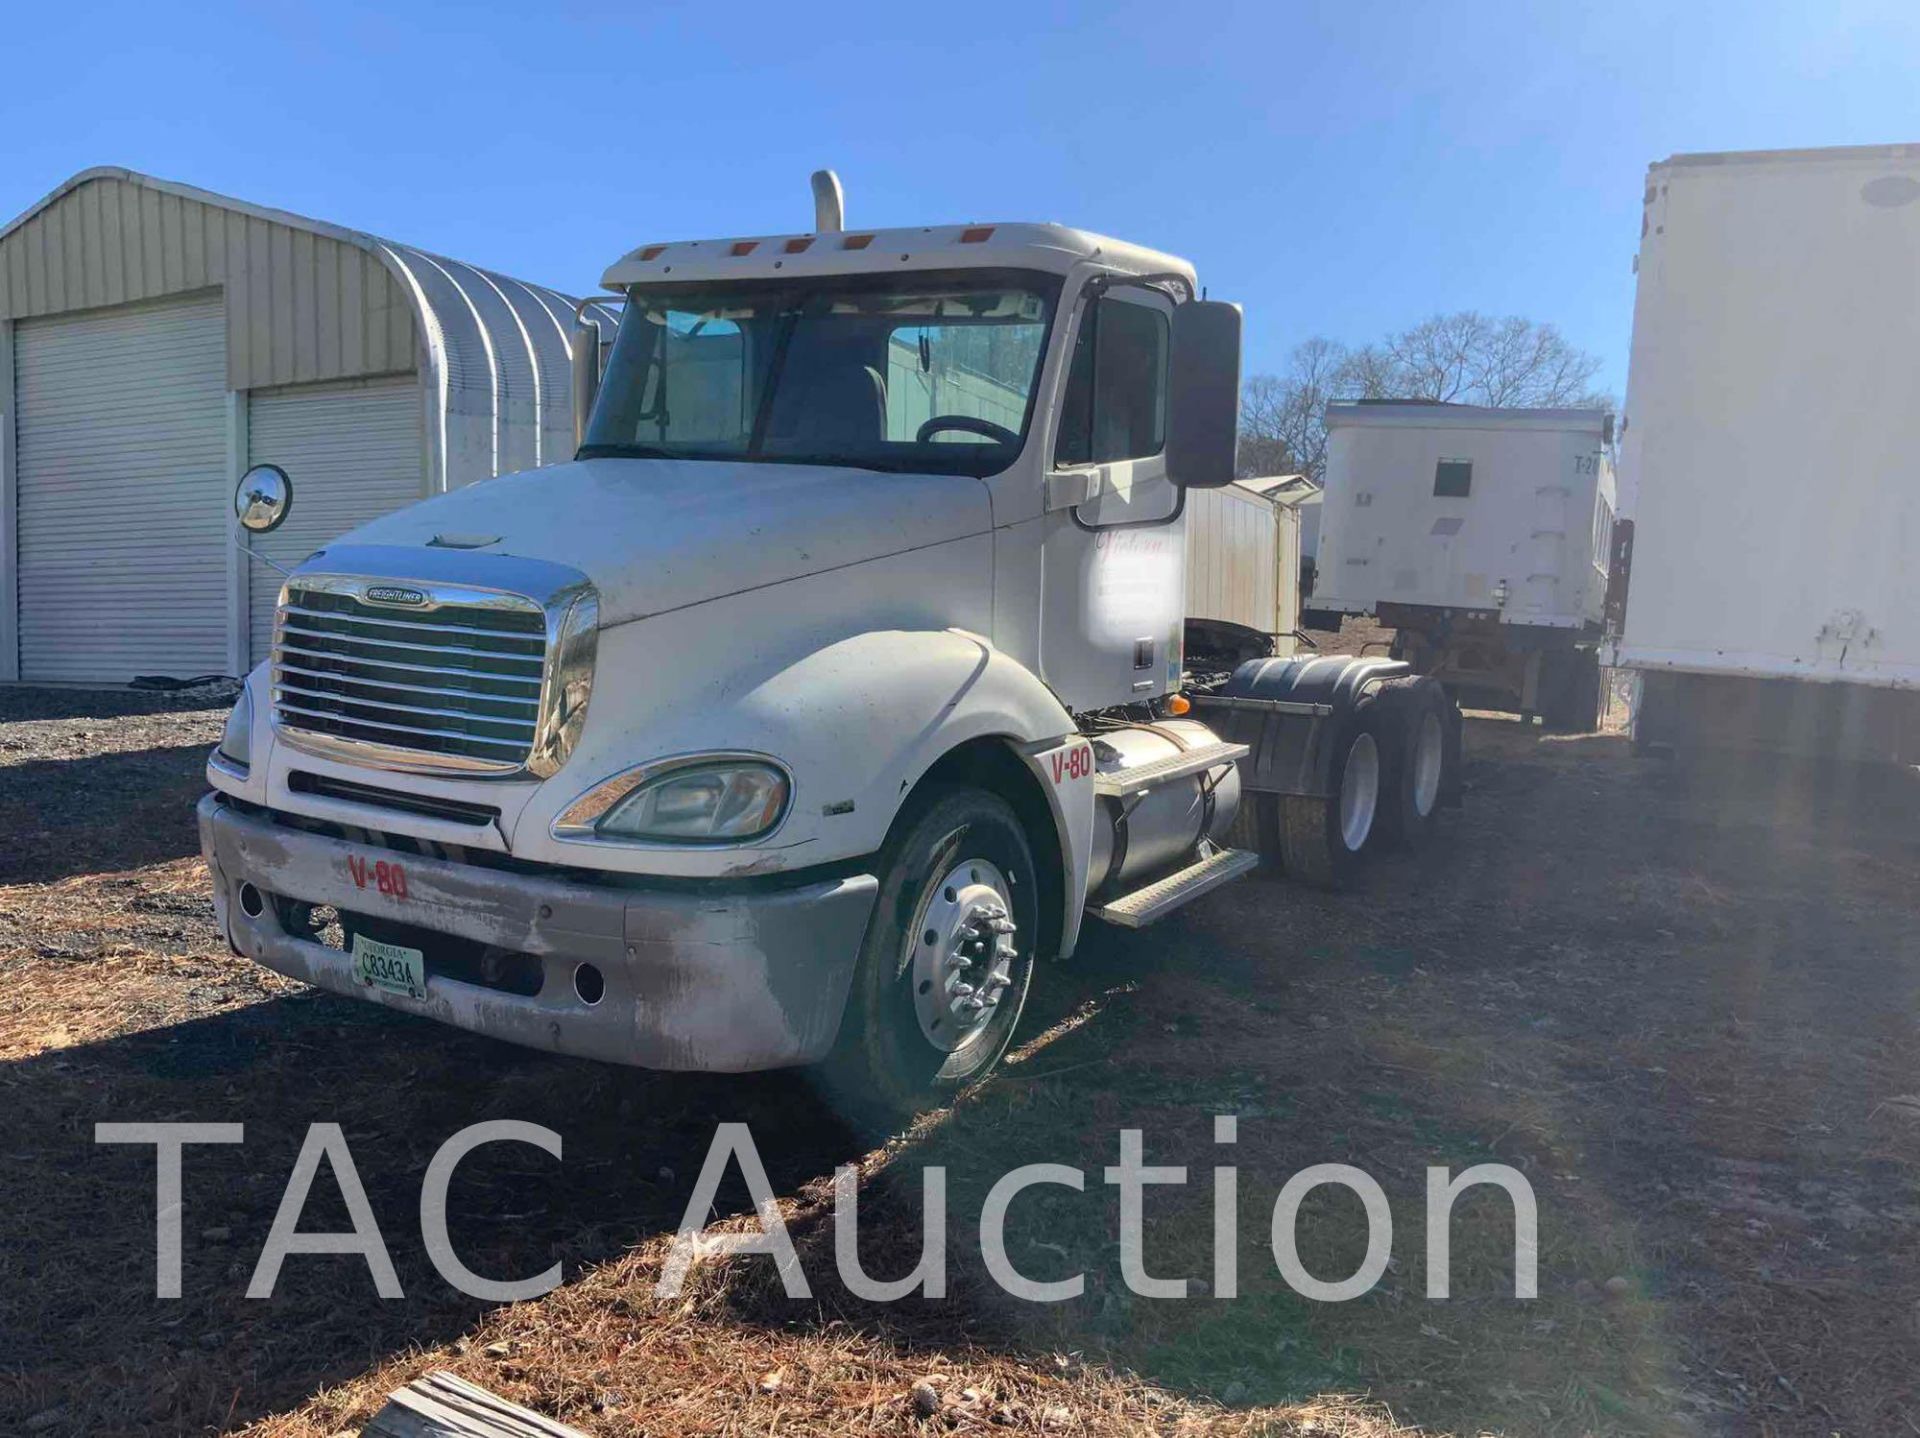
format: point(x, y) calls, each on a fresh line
point(1765, 588)
point(828, 689)
point(1482, 537)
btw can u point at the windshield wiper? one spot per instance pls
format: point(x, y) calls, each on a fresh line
point(624, 451)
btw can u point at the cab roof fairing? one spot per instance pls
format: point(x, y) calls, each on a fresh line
point(1052, 249)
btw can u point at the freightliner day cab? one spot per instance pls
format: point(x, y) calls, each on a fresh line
point(823, 693)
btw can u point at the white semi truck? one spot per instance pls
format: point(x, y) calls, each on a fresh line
point(821, 696)
point(1482, 538)
point(1765, 585)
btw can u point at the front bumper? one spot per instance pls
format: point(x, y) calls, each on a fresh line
point(726, 979)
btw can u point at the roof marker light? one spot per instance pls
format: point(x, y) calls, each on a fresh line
point(856, 242)
point(974, 234)
point(743, 247)
point(794, 247)
point(651, 252)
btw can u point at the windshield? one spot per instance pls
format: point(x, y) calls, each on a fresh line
point(931, 373)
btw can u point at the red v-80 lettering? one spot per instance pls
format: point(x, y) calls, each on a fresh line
point(389, 879)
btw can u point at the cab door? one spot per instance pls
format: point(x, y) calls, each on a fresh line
point(1114, 545)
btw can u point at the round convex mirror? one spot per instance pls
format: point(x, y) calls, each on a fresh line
point(263, 499)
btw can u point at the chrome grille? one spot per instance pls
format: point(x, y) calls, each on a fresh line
point(455, 683)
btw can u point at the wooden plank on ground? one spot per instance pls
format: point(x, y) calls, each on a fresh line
point(444, 1405)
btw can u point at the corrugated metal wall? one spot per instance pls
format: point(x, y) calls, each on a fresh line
point(353, 451)
point(300, 306)
point(123, 503)
point(379, 369)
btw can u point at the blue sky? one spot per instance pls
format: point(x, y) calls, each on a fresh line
point(1341, 169)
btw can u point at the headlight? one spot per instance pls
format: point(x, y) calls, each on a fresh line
point(702, 801)
point(236, 740)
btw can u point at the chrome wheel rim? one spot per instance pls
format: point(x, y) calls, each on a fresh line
point(1429, 759)
point(1359, 792)
point(962, 952)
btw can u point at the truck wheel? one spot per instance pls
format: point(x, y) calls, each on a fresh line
point(1321, 839)
point(947, 959)
point(1256, 827)
point(1414, 758)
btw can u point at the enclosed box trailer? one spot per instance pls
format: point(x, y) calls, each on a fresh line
point(1481, 536)
point(1243, 559)
point(1771, 599)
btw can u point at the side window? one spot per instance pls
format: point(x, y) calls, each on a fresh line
point(1115, 405)
point(1453, 479)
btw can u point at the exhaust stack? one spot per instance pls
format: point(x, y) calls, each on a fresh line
point(829, 203)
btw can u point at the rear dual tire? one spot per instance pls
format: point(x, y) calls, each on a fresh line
point(1396, 767)
point(1420, 742)
point(1321, 838)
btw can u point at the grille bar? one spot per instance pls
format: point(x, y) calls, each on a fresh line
point(338, 638)
point(456, 683)
point(334, 619)
point(295, 675)
point(384, 731)
point(330, 699)
point(385, 664)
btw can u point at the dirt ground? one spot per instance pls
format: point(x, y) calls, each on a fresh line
point(1681, 1000)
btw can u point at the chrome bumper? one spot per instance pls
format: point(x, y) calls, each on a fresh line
point(724, 980)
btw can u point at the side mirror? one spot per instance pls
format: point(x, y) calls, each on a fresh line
point(585, 350)
point(1203, 399)
point(263, 499)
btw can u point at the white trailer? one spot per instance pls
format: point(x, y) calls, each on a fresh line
point(1243, 565)
point(1482, 538)
point(1771, 595)
point(821, 696)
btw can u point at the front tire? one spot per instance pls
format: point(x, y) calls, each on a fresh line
point(947, 959)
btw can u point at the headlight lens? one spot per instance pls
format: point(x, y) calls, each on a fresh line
point(236, 740)
point(712, 802)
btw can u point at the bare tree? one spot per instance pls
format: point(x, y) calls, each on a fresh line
point(1283, 426)
point(1464, 358)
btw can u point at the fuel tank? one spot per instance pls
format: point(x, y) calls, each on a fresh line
point(1141, 835)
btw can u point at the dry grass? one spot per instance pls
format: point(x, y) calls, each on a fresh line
point(1682, 1004)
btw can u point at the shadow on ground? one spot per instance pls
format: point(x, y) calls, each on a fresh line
point(1671, 997)
point(66, 817)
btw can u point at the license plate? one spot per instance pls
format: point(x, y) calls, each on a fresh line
point(393, 967)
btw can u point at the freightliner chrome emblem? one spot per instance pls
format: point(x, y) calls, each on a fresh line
point(394, 594)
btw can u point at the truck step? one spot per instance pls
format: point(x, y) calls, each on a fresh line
point(1163, 896)
point(1118, 783)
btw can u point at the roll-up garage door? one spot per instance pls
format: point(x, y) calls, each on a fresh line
point(353, 451)
point(123, 492)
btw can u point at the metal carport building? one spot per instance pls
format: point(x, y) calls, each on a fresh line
point(156, 339)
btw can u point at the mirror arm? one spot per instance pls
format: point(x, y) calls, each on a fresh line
point(274, 565)
point(583, 353)
point(1101, 283)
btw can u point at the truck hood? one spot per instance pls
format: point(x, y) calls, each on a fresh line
point(658, 535)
